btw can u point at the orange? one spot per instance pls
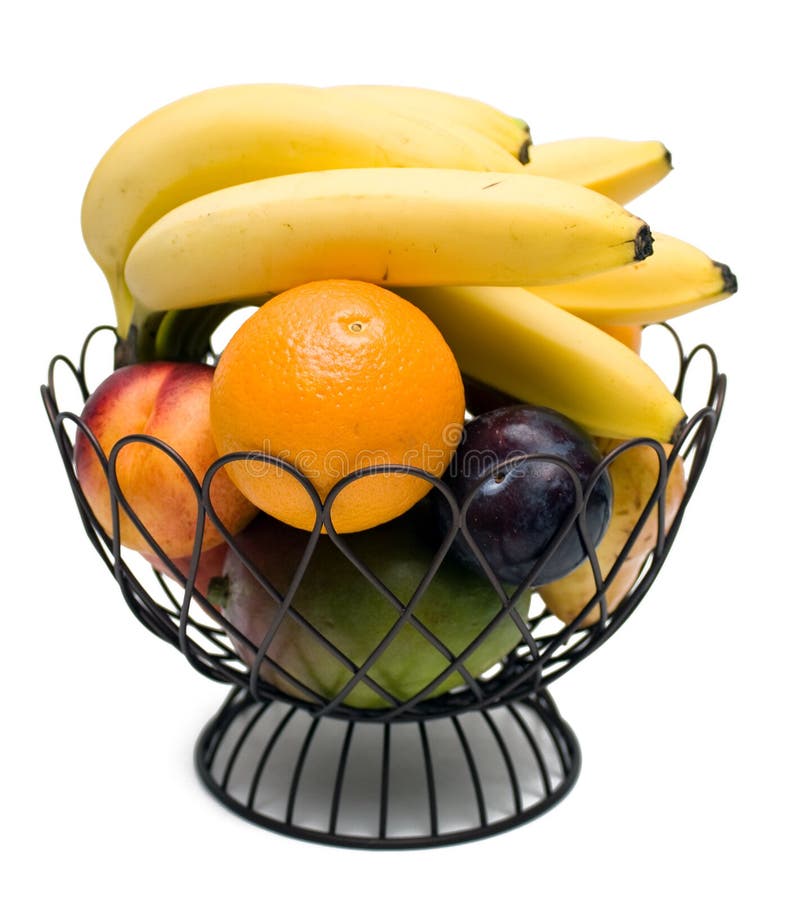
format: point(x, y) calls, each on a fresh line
point(333, 376)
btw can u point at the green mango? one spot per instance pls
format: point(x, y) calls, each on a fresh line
point(339, 602)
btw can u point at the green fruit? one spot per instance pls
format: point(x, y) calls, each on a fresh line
point(341, 604)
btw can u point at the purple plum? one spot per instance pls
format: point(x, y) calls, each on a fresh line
point(519, 507)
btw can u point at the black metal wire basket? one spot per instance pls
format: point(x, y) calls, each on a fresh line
point(463, 754)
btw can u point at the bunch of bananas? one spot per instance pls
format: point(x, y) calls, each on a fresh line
point(518, 253)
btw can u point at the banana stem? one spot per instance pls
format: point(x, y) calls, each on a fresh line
point(136, 326)
point(138, 342)
point(123, 301)
point(177, 335)
point(184, 334)
point(526, 142)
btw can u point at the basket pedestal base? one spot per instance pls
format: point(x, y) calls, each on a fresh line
point(365, 783)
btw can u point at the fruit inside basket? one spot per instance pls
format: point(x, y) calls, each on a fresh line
point(428, 470)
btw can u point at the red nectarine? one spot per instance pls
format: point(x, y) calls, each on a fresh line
point(169, 401)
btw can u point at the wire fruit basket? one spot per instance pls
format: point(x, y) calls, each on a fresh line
point(464, 755)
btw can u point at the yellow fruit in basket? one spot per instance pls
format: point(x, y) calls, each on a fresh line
point(634, 476)
point(630, 335)
point(333, 376)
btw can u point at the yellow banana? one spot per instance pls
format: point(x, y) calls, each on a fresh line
point(512, 340)
point(677, 278)
point(390, 226)
point(622, 170)
point(239, 133)
point(510, 133)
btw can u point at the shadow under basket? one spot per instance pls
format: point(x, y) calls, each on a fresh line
point(463, 755)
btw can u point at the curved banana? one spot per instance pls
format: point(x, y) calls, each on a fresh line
point(239, 133)
point(517, 343)
point(510, 133)
point(677, 278)
point(622, 170)
point(388, 226)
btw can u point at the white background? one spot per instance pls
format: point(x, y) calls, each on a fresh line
point(681, 788)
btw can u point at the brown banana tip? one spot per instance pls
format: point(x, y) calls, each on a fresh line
point(677, 431)
point(729, 283)
point(643, 243)
point(523, 153)
point(667, 156)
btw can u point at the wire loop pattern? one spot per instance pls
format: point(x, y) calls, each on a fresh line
point(266, 752)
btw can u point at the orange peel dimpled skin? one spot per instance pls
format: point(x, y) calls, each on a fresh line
point(334, 376)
